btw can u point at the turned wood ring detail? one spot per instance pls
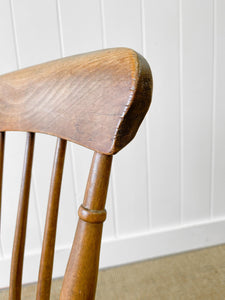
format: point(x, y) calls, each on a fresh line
point(92, 216)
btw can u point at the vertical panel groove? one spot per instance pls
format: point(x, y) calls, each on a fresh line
point(103, 24)
point(21, 222)
point(70, 153)
point(15, 34)
point(74, 178)
point(142, 27)
point(59, 21)
point(1, 250)
point(181, 108)
point(114, 204)
point(48, 247)
point(37, 209)
point(147, 143)
point(213, 111)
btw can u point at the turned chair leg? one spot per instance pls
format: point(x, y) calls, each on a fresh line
point(82, 270)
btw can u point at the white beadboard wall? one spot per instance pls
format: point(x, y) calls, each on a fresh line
point(167, 189)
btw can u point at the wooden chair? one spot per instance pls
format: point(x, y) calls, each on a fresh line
point(97, 100)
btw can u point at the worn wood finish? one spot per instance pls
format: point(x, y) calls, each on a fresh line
point(21, 223)
point(2, 146)
point(81, 274)
point(47, 256)
point(96, 99)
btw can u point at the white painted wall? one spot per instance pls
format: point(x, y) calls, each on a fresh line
point(167, 188)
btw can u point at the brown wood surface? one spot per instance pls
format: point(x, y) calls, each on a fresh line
point(82, 270)
point(2, 146)
point(96, 99)
point(47, 256)
point(21, 222)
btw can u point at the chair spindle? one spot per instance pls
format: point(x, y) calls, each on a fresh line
point(82, 270)
point(2, 146)
point(21, 222)
point(48, 247)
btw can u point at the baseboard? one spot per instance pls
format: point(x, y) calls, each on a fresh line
point(130, 249)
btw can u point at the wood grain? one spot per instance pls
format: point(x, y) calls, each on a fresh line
point(21, 223)
point(98, 99)
point(48, 248)
point(82, 270)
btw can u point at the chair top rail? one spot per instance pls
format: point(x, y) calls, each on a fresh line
point(97, 99)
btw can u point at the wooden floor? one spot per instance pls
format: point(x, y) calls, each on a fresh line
point(192, 275)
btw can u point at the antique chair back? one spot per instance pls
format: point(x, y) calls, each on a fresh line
point(97, 100)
